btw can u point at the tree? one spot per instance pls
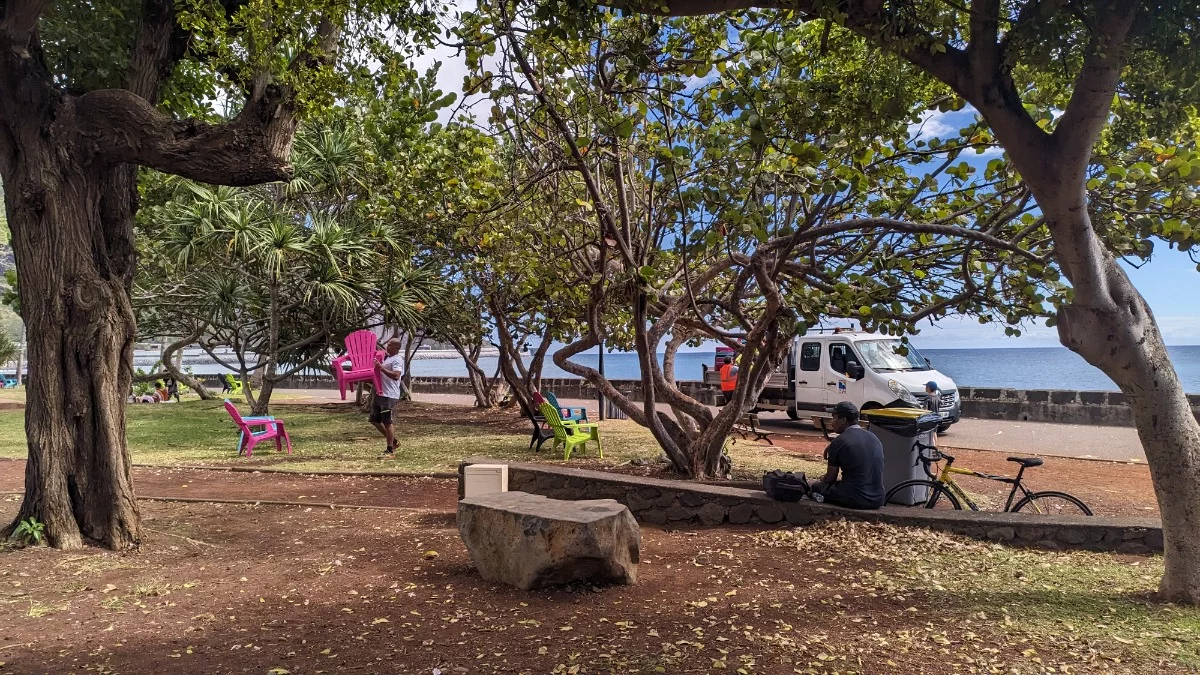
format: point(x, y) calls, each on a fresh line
point(8, 349)
point(730, 212)
point(1063, 87)
point(280, 273)
point(78, 116)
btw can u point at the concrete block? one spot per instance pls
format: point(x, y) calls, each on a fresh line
point(529, 541)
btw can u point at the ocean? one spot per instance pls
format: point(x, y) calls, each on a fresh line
point(1016, 368)
point(1012, 367)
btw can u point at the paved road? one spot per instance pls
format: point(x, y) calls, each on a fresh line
point(1032, 438)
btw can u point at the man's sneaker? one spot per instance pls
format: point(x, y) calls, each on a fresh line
point(388, 454)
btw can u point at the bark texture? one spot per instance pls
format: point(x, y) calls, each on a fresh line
point(73, 243)
point(69, 165)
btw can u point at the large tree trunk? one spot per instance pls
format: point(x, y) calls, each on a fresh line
point(72, 228)
point(1119, 336)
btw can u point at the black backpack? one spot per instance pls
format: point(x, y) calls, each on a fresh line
point(785, 487)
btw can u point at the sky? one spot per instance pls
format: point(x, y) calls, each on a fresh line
point(1164, 281)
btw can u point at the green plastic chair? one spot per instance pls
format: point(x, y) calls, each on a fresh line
point(570, 434)
point(235, 385)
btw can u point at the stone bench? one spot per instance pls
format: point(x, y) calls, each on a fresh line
point(530, 541)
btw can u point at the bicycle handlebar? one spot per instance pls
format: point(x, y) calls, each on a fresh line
point(928, 454)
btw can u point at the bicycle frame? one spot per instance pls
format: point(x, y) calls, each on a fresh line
point(946, 478)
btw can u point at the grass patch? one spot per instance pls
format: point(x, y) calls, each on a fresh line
point(1094, 606)
point(113, 603)
point(40, 609)
point(151, 588)
point(337, 437)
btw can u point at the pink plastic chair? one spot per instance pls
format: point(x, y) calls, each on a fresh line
point(271, 428)
point(361, 352)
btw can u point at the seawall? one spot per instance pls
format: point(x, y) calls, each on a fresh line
point(1103, 408)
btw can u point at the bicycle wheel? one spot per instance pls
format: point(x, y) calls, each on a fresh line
point(1052, 503)
point(939, 497)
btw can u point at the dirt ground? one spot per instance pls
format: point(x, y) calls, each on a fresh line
point(221, 588)
point(226, 485)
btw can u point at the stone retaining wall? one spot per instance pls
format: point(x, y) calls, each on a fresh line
point(680, 503)
point(1052, 405)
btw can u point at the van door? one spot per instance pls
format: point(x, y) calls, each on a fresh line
point(838, 385)
point(810, 380)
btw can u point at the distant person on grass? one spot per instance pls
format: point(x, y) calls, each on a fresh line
point(858, 455)
point(391, 372)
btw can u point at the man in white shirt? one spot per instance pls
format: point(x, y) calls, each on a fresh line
point(391, 370)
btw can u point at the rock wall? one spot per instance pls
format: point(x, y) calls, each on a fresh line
point(1052, 405)
point(688, 504)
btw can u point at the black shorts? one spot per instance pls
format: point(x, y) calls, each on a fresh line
point(381, 410)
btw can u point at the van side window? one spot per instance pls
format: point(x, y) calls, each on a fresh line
point(810, 356)
point(839, 354)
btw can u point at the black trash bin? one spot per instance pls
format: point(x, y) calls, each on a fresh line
point(899, 430)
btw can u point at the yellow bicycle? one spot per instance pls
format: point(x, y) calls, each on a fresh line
point(940, 491)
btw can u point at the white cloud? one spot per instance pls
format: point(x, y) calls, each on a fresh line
point(961, 332)
point(934, 124)
point(1179, 329)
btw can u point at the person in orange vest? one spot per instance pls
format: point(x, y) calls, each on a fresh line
point(729, 373)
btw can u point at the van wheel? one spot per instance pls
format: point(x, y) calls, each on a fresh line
point(793, 414)
point(870, 406)
point(943, 429)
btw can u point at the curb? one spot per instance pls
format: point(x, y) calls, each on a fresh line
point(248, 469)
point(258, 502)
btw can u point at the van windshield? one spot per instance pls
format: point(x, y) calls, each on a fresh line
point(884, 356)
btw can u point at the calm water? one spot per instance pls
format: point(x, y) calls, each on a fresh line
point(1018, 368)
point(1029, 368)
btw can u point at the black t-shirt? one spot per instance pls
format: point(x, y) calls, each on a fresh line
point(859, 454)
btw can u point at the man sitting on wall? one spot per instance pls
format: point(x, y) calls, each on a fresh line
point(858, 455)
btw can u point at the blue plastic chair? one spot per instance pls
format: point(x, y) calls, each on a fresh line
point(249, 420)
point(567, 414)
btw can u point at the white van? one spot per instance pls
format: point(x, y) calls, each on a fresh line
point(864, 368)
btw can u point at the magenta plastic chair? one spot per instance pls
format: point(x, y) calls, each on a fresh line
point(271, 429)
point(361, 352)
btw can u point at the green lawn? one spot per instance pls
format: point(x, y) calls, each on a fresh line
point(336, 436)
